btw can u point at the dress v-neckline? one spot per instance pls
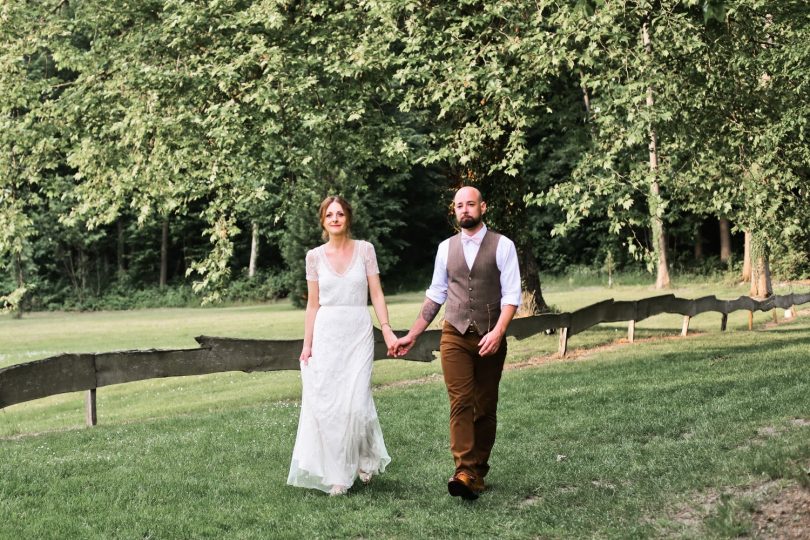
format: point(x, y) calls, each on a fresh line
point(348, 266)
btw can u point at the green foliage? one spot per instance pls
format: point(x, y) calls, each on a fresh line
point(719, 113)
point(379, 216)
point(119, 297)
point(27, 138)
point(216, 116)
point(262, 287)
point(792, 261)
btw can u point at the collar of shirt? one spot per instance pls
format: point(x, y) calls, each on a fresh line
point(474, 239)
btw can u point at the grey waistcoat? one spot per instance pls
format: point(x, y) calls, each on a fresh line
point(473, 294)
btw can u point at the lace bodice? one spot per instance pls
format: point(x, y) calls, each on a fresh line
point(349, 288)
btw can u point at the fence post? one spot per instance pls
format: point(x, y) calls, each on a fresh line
point(90, 416)
point(775, 316)
point(563, 341)
point(793, 311)
point(631, 331)
point(750, 320)
point(723, 322)
point(685, 328)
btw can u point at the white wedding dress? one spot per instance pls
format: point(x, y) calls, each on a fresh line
point(339, 433)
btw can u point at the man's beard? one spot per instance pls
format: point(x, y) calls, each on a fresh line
point(469, 222)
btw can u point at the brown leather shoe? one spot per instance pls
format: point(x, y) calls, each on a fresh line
point(478, 485)
point(462, 485)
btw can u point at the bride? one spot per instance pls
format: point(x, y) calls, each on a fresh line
point(339, 437)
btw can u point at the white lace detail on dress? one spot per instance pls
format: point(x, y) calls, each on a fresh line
point(312, 265)
point(370, 258)
point(339, 433)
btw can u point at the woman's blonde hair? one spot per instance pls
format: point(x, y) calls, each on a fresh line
point(347, 209)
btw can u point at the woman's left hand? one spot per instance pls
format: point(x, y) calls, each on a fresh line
point(306, 354)
point(389, 336)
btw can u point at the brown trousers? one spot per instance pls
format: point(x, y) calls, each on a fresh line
point(472, 385)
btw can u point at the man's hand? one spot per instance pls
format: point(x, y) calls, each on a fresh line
point(406, 342)
point(491, 342)
point(402, 346)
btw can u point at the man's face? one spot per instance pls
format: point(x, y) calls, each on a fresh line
point(469, 208)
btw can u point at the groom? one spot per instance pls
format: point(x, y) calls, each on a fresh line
point(477, 273)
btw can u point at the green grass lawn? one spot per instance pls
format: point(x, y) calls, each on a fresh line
point(613, 445)
point(40, 335)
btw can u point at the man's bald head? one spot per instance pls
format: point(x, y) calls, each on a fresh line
point(468, 192)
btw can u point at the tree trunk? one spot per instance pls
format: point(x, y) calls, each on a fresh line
point(586, 99)
point(120, 248)
point(698, 243)
point(725, 241)
point(532, 302)
point(70, 269)
point(101, 261)
point(164, 254)
point(657, 223)
point(660, 242)
point(82, 272)
point(746, 271)
point(254, 249)
point(20, 279)
point(761, 273)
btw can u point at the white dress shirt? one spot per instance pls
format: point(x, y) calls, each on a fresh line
point(505, 259)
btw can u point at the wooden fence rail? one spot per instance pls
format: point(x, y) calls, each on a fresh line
point(89, 371)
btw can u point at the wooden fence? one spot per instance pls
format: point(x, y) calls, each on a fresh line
point(89, 371)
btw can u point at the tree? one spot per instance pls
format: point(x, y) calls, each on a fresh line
point(609, 122)
point(725, 241)
point(636, 60)
point(752, 132)
point(27, 141)
point(473, 73)
point(174, 115)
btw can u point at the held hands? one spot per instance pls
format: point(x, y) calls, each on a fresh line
point(491, 342)
point(397, 347)
point(401, 347)
point(389, 336)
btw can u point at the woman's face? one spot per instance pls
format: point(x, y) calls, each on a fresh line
point(334, 221)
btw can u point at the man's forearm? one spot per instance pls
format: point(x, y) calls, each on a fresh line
point(507, 313)
point(429, 311)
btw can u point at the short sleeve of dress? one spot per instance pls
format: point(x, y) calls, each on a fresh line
point(370, 259)
point(312, 265)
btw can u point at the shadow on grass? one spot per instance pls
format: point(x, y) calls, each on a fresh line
point(763, 348)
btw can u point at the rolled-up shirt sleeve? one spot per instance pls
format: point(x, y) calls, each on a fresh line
point(438, 285)
point(507, 261)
